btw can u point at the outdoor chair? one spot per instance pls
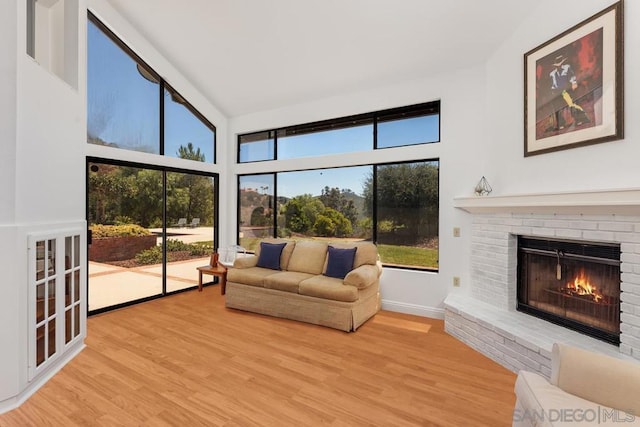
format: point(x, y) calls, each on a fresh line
point(195, 222)
point(182, 222)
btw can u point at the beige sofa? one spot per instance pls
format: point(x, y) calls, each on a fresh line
point(585, 389)
point(300, 291)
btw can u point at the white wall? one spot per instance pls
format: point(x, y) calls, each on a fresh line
point(8, 40)
point(602, 166)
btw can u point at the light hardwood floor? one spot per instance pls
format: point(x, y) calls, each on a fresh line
point(186, 360)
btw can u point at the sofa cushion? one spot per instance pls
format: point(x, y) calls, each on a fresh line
point(328, 288)
point(339, 261)
point(308, 257)
point(541, 404)
point(270, 255)
point(286, 252)
point(367, 252)
point(617, 385)
point(253, 276)
point(287, 281)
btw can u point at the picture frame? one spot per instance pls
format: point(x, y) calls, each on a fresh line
point(573, 86)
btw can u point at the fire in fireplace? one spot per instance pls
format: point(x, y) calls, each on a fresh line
point(571, 283)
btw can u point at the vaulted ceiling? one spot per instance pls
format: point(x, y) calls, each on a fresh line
point(253, 55)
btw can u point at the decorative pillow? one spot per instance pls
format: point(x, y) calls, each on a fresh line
point(270, 255)
point(340, 262)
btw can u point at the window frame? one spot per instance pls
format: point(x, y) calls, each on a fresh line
point(374, 207)
point(164, 170)
point(162, 85)
point(410, 111)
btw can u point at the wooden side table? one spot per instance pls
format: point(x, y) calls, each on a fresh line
point(217, 271)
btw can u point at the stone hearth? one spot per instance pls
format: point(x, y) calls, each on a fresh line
point(485, 316)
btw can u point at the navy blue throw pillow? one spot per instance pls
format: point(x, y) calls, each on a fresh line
point(340, 262)
point(270, 255)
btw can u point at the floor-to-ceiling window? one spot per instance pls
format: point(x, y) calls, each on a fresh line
point(151, 224)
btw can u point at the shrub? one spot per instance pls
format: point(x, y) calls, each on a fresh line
point(101, 230)
point(386, 226)
point(174, 245)
point(200, 248)
point(154, 255)
point(150, 256)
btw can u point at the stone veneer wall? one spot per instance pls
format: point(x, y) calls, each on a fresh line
point(527, 342)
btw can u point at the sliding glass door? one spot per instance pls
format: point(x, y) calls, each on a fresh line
point(150, 228)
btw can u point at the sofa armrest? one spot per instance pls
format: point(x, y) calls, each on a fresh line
point(363, 276)
point(595, 377)
point(245, 262)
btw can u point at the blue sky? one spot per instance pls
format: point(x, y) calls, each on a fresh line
point(416, 130)
point(312, 182)
point(124, 107)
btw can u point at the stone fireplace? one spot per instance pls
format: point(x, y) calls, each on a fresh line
point(486, 315)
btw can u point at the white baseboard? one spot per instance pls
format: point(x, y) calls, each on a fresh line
point(418, 310)
point(13, 402)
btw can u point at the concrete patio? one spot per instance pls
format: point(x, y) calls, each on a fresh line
point(110, 285)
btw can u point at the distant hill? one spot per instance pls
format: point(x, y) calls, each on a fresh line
point(251, 199)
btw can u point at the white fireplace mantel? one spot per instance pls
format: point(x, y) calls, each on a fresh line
point(593, 202)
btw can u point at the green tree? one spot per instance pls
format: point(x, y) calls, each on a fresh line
point(407, 197)
point(189, 153)
point(108, 189)
point(261, 217)
point(336, 199)
point(144, 203)
point(189, 196)
point(300, 213)
point(331, 223)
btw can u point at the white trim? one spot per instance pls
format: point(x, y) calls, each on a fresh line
point(616, 201)
point(40, 380)
point(418, 310)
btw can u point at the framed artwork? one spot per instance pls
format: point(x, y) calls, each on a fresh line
point(573, 86)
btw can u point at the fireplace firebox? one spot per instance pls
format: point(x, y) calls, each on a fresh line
point(572, 283)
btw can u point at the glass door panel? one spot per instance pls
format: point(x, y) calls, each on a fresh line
point(190, 227)
point(45, 286)
point(125, 217)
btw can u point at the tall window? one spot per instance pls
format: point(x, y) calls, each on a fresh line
point(395, 205)
point(415, 124)
point(128, 101)
point(152, 225)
